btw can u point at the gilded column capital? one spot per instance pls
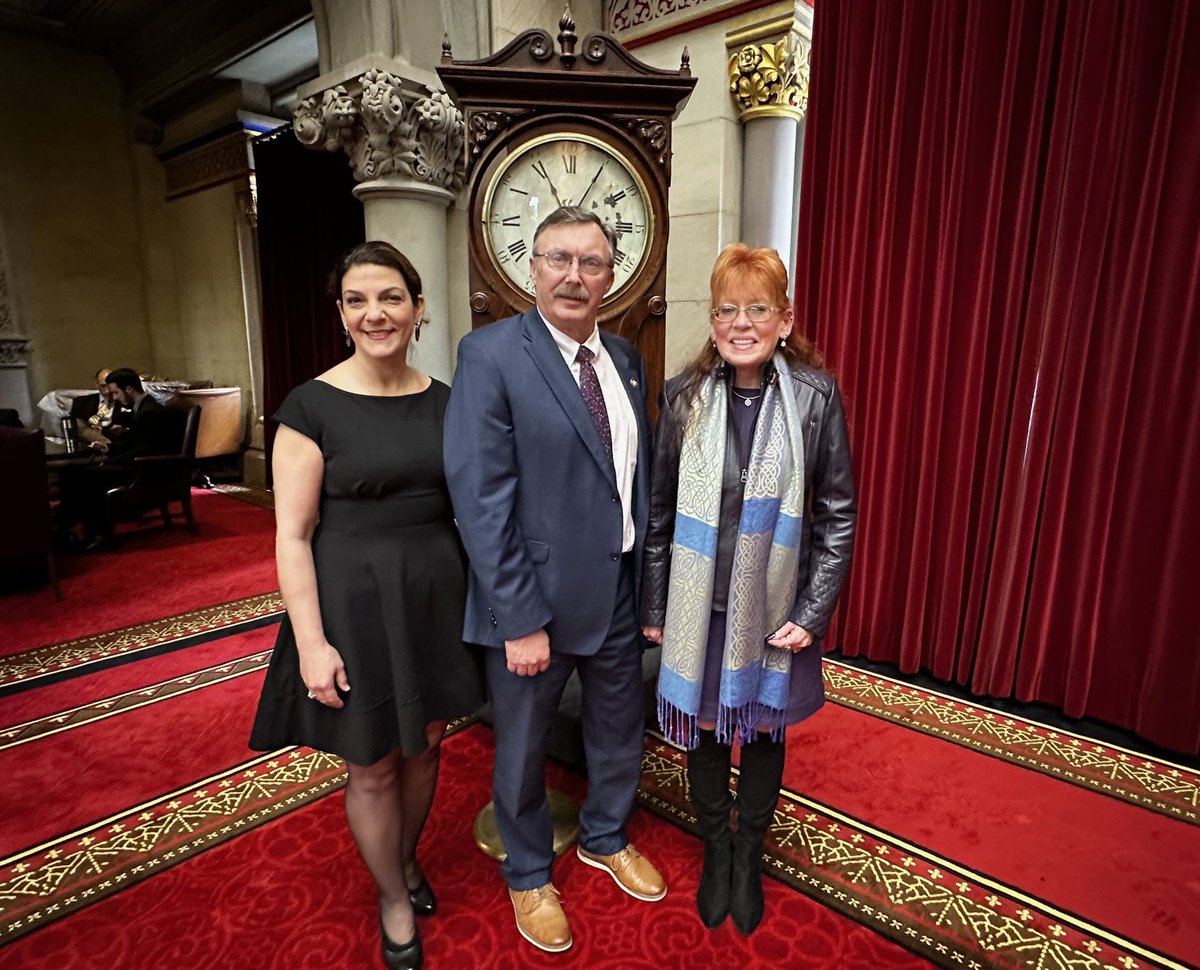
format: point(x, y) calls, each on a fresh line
point(388, 125)
point(770, 77)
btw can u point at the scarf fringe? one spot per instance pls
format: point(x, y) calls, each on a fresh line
point(678, 726)
point(745, 722)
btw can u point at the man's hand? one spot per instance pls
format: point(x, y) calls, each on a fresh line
point(528, 655)
point(653, 633)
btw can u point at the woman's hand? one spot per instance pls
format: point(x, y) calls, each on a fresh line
point(653, 634)
point(322, 671)
point(790, 637)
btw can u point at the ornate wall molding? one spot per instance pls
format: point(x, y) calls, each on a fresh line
point(637, 22)
point(388, 125)
point(770, 77)
point(222, 157)
point(12, 351)
point(12, 343)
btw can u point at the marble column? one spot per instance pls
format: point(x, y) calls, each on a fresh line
point(768, 80)
point(404, 139)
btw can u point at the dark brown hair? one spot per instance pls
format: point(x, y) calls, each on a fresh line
point(375, 252)
point(125, 378)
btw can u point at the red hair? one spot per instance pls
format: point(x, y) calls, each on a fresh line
point(762, 268)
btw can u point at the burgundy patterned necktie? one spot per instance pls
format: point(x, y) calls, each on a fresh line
point(593, 397)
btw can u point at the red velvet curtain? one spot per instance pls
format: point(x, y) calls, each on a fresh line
point(1000, 255)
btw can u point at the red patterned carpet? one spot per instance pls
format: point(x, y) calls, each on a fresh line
point(1128, 869)
point(290, 893)
point(157, 572)
point(136, 830)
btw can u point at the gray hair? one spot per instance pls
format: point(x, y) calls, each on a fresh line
point(566, 215)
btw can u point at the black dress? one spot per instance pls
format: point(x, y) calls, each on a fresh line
point(391, 580)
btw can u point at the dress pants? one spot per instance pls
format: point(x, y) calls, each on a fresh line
point(613, 724)
point(82, 496)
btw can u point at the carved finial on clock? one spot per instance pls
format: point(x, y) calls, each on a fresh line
point(685, 63)
point(447, 57)
point(566, 37)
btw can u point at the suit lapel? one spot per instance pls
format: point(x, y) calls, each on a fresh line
point(549, 360)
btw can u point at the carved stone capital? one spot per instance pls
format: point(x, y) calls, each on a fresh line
point(388, 126)
point(770, 77)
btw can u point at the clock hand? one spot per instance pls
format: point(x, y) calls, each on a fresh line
point(591, 183)
point(540, 168)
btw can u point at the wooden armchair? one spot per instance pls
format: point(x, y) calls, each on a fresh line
point(160, 480)
point(28, 544)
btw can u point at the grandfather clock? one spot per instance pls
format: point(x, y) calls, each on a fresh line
point(547, 127)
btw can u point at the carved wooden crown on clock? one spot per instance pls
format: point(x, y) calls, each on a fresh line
point(547, 126)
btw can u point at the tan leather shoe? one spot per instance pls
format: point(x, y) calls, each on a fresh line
point(632, 871)
point(540, 918)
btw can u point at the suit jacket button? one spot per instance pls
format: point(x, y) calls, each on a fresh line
point(615, 556)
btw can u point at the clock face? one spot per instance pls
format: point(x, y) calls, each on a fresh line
point(565, 169)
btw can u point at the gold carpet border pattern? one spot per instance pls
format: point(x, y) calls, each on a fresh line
point(1151, 783)
point(52, 880)
point(928, 904)
point(73, 654)
point(106, 707)
point(55, 879)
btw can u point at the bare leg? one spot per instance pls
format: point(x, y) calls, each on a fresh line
point(418, 779)
point(373, 811)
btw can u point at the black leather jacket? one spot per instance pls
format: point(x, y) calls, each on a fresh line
point(828, 531)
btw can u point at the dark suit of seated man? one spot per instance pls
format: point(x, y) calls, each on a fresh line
point(151, 430)
point(98, 414)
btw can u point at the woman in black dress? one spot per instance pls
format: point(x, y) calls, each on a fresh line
point(369, 663)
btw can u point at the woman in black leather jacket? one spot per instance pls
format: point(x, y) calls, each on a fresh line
point(751, 526)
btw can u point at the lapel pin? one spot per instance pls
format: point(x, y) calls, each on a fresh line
point(633, 382)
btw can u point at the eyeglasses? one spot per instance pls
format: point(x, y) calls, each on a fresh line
point(755, 312)
point(560, 262)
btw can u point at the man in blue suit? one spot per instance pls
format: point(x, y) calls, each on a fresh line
point(548, 460)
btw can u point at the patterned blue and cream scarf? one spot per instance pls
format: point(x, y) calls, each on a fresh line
point(755, 678)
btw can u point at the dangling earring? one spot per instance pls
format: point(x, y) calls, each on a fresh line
point(417, 331)
point(346, 331)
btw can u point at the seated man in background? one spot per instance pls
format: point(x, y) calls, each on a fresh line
point(100, 415)
point(150, 430)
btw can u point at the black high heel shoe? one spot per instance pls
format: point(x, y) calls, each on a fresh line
point(398, 956)
point(424, 903)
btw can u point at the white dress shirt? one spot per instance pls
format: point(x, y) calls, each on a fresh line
point(621, 420)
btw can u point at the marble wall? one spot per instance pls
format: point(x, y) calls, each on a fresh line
point(67, 201)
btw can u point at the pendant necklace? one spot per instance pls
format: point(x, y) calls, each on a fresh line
point(748, 401)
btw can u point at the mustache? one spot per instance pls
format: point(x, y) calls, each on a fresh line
point(572, 292)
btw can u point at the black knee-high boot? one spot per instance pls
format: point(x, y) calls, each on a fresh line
point(757, 792)
point(708, 780)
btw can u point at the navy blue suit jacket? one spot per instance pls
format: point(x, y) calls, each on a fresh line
point(534, 492)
